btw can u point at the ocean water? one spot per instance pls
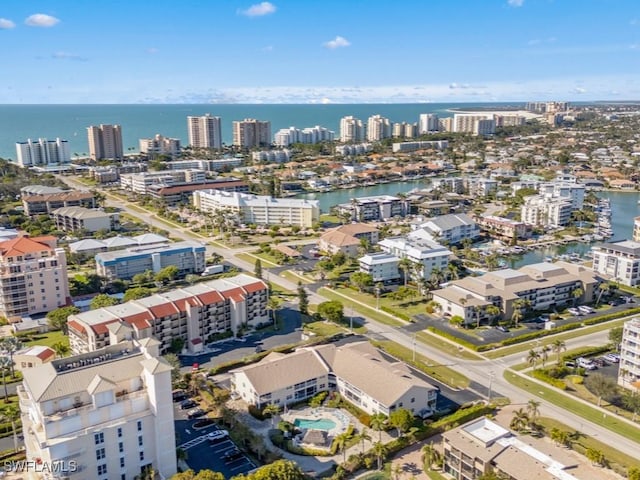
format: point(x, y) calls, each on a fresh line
point(69, 122)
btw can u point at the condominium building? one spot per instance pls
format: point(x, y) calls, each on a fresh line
point(76, 219)
point(485, 126)
point(39, 190)
point(428, 123)
point(183, 193)
point(33, 276)
point(629, 369)
point(472, 123)
point(359, 149)
point(425, 255)
point(205, 131)
point(381, 207)
point(449, 184)
point(271, 156)
point(503, 228)
point(105, 142)
point(636, 229)
point(452, 228)
point(404, 147)
point(141, 182)
point(378, 128)
point(546, 212)
point(188, 256)
point(251, 133)
point(351, 130)
point(563, 190)
point(382, 267)
point(405, 130)
point(544, 285)
point(160, 145)
point(619, 261)
point(509, 120)
point(42, 152)
point(357, 371)
point(259, 209)
point(481, 187)
point(192, 314)
point(207, 165)
point(107, 414)
point(287, 136)
point(482, 447)
point(347, 238)
point(48, 202)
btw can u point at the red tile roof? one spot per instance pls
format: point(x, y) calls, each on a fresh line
point(20, 246)
point(255, 287)
point(139, 320)
point(46, 354)
point(235, 294)
point(101, 328)
point(196, 341)
point(76, 326)
point(164, 310)
point(211, 297)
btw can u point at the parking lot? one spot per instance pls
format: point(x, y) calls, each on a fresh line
point(203, 454)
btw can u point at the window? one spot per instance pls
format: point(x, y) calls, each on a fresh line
point(121, 462)
point(140, 441)
point(119, 432)
point(99, 438)
point(413, 400)
point(100, 454)
point(141, 456)
point(123, 477)
point(102, 470)
point(139, 425)
point(120, 447)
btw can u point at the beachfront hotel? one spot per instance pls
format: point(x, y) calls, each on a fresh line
point(351, 130)
point(42, 152)
point(107, 414)
point(357, 371)
point(205, 131)
point(105, 142)
point(160, 145)
point(259, 209)
point(251, 133)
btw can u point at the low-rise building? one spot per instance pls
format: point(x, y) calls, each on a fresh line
point(425, 254)
point(105, 414)
point(636, 229)
point(259, 209)
point(140, 182)
point(75, 219)
point(629, 369)
point(357, 371)
point(191, 314)
point(452, 229)
point(382, 267)
point(370, 209)
point(176, 194)
point(188, 256)
point(33, 357)
point(503, 228)
point(413, 146)
point(208, 165)
point(44, 204)
point(348, 239)
point(544, 285)
point(481, 187)
point(619, 261)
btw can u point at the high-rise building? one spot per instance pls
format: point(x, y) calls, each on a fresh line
point(286, 136)
point(106, 414)
point(636, 229)
point(42, 152)
point(160, 145)
point(33, 276)
point(629, 371)
point(428, 123)
point(105, 142)
point(351, 130)
point(378, 128)
point(250, 133)
point(205, 131)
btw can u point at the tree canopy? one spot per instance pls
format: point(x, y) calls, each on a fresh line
point(136, 293)
point(103, 300)
point(331, 310)
point(57, 318)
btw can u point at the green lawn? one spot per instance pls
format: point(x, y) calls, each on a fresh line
point(435, 476)
point(442, 344)
point(294, 277)
point(323, 329)
point(564, 401)
point(48, 339)
point(363, 309)
point(430, 367)
point(251, 258)
point(409, 307)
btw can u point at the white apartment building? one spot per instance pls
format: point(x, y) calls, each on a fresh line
point(428, 123)
point(404, 130)
point(636, 229)
point(33, 276)
point(259, 209)
point(380, 207)
point(192, 314)
point(486, 126)
point(159, 145)
point(286, 136)
point(619, 261)
point(140, 182)
point(502, 228)
point(472, 123)
point(102, 415)
point(357, 371)
point(42, 152)
point(251, 133)
point(426, 255)
point(564, 190)
point(509, 120)
point(75, 219)
point(629, 368)
point(271, 156)
point(452, 228)
point(481, 187)
point(378, 128)
point(105, 142)
point(546, 212)
point(205, 131)
point(188, 256)
point(351, 130)
point(382, 267)
point(207, 165)
point(413, 146)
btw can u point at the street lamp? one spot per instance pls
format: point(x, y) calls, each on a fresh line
point(491, 375)
point(377, 291)
point(413, 339)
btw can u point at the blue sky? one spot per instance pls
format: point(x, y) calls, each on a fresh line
point(332, 51)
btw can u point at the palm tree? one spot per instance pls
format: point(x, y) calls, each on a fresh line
point(5, 366)
point(379, 450)
point(544, 354)
point(560, 437)
point(341, 445)
point(452, 270)
point(516, 316)
point(576, 293)
point(405, 265)
point(397, 471)
point(378, 422)
point(631, 401)
point(519, 421)
point(558, 346)
point(363, 436)
point(477, 310)
point(493, 311)
point(430, 456)
point(533, 409)
point(602, 288)
point(272, 410)
point(61, 349)
point(533, 358)
point(9, 346)
point(11, 412)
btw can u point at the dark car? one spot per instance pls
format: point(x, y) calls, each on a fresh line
point(179, 396)
point(195, 413)
point(188, 404)
point(233, 455)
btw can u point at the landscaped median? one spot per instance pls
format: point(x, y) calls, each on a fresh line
point(361, 307)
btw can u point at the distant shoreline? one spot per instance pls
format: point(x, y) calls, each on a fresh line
point(524, 113)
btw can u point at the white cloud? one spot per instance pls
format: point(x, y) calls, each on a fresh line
point(337, 42)
point(579, 90)
point(68, 56)
point(41, 20)
point(259, 9)
point(6, 24)
point(152, 50)
point(268, 48)
point(515, 3)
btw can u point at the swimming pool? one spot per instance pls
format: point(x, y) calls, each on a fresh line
point(320, 424)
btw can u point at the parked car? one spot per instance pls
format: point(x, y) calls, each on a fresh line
point(195, 413)
point(232, 455)
point(586, 309)
point(570, 364)
point(574, 311)
point(179, 396)
point(544, 318)
point(586, 363)
point(502, 328)
point(612, 357)
point(217, 436)
point(187, 404)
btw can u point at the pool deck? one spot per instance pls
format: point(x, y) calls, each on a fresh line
point(337, 416)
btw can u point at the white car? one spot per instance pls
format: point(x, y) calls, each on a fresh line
point(586, 363)
point(612, 357)
point(585, 309)
point(217, 435)
point(574, 311)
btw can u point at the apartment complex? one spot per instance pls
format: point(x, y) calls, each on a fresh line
point(42, 152)
point(208, 165)
point(378, 128)
point(347, 238)
point(351, 130)
point(404, 147)
point(271, 156)
point(75, 219)
point(105, 142)
point(546, 212)
point(369, 209)
point(205, 131)
point(91, 246)
point(192, 314)
point(176, 194)
point(629, 369)
point(188, 256)
point(33, 276)
point(358, 149)
point(544, 285)
point(619, 261)
point(482, 447)
point(428, 123)
point(251, 133)
point(475, 124)
point(108, 412)
point(452, 228)
point(481, 187)
point(404, 130)
point(286, 136)
point(46, 203)
point(159, 145)
point(424, 254)
point(503, 228)
point(383, 267)
point(357, 371)
point(141, 182)
point(636, 229)
point(259, 209)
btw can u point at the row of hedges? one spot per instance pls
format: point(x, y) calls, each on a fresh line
point(611, 316)
point(586, 352)
point(395, 313)
point(546, 378)
point(453, 338)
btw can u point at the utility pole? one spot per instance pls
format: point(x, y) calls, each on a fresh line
point(491, 375)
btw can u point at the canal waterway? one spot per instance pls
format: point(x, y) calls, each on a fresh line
point(624, 208)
